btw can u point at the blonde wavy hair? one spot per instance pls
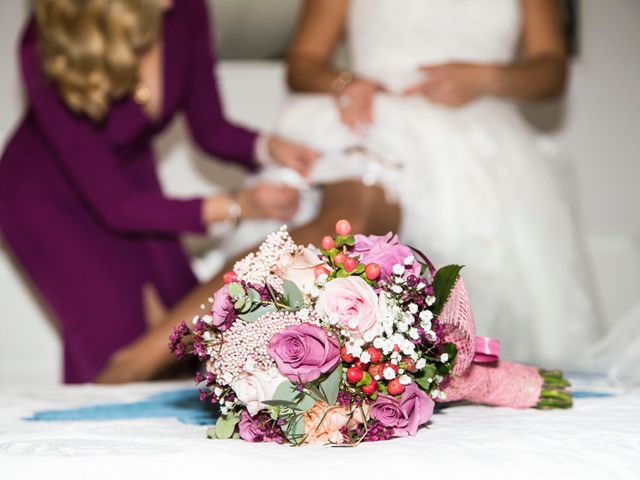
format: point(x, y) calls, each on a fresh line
point(91, 49)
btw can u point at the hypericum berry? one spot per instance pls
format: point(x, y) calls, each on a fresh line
point(350, 264)
point(362, 366)
point(346, 356)
point(372, 271)
point(343, 227)
point(354, 374)
point(394, 387)
point(376, 371)
point(339, 258)
point(371, 388)
point(375, 354)
point(328, 242)
point(390, 365)
point(230, 277)
point(411, 367)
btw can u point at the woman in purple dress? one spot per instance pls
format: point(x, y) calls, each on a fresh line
point(80, 203)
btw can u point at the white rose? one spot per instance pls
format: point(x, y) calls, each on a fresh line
point(254, 388)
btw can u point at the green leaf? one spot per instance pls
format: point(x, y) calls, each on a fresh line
point(287, 391)
point(254, 295)
point(236, 291)
point(329, 386)
point(422, 377)
point(211, 433)
point(280, 403)
point(239, 304)
point(226, 425)
point(292, 294)
point(254, 315)
point(443, 284)
point(359, 269)
point(342, 273)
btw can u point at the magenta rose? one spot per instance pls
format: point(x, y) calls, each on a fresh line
point(223, 314)
point(304, 352)
point(413, 409)
point(386, 251)
point(259, 429)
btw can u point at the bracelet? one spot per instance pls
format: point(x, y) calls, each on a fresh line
point(341, 81)
point(234, 210)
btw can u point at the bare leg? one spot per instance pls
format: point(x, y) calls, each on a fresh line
point(364, 206)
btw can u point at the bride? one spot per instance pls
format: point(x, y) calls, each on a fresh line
point(425, 118)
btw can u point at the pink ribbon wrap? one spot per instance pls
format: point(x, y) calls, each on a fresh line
point(493, 381)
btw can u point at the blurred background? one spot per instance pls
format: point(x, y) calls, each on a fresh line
point(596, 125)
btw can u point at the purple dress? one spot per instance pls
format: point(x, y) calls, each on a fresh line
point(81, 207)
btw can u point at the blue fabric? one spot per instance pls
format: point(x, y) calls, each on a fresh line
point(183, 405)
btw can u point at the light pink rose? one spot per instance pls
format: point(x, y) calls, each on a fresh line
point(299, 268)
point(351, 303)
point(255, 387)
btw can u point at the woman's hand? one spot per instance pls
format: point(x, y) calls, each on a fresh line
point(454, 84)
point(268, 200)
point(355, 104)
point(298, 157)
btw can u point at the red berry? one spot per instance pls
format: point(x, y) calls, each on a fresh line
point(376, 371)
point(372, 271)
point(361, 366)
point(411, 367)
point(343, 227)
point(375, 354)
point(345, 356)
point(391, 366)
point(230, 277)
point(328, 242)
point(350, 264)
point(371, 388)
point(354, 374)
point(339, 258)
point(396, 348)
point(394, 387)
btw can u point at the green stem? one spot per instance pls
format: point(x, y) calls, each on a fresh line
point(555, 391)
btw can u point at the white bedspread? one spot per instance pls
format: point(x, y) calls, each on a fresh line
point(598, 438)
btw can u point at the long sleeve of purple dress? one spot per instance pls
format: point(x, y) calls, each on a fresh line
point(81, 206)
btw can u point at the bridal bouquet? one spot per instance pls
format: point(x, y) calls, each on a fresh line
point(354, 341)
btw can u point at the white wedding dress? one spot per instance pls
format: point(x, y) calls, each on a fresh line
point(476, 185)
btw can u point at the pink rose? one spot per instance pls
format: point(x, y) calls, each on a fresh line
point(304, 352)
point(299, 268)
point(253, 388)
point(386, 251)
point(413, 409)
point(223, 314)
point(351, 303)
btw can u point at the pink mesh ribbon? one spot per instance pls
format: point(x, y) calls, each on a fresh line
point(493, 382)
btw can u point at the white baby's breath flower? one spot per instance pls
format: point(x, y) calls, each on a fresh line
point(206, 336)
point(404, 379)
point(409, 260)
point(398, 269)
point(223, 410)
point(420, 286)
point(413, 308)
point(250, 365)
point(442, 395)
point(400, 280)
point(396, 289)
point(378, 343)
point(444, 357)
point(207, 319)
point(431, 300)
point(227, 377)
point(413, 333)
point(303, 314)
point(435, 394)
point(365, 357)
point(389, 373)
point(420, 364)
point(426, 315)
point(217, 391)
point(195, 319)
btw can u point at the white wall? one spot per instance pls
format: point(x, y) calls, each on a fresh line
point(600, 130)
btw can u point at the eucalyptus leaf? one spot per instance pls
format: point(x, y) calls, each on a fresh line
point(293, 295)
point(254, 295)
point(211, 433)
point(226, 425)
point(331, 385)
point(287, 391)
point(443, 283)
point(254, 315)
point(239, 304)
point(235, 290)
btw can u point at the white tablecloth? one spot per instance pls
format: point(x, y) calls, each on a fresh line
point(598, 438)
